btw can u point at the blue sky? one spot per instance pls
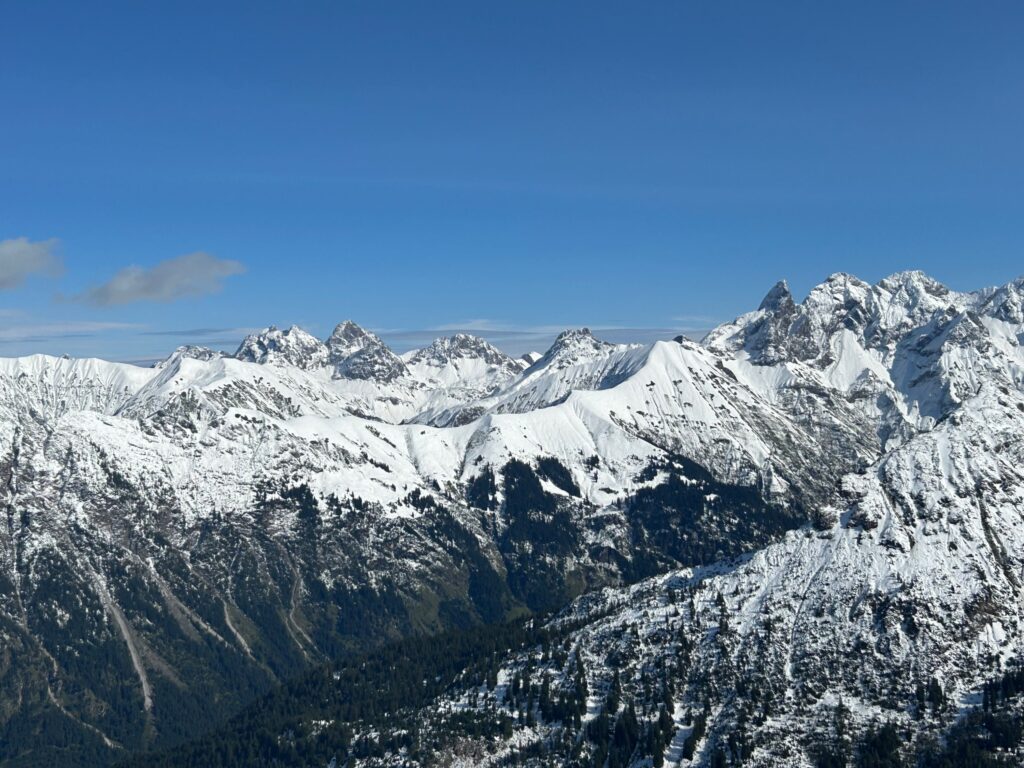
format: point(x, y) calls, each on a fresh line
point(508, 167)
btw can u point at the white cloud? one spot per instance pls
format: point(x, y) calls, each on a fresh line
point(20, 258)
point(194, 274)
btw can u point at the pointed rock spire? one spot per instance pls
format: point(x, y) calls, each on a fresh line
point(357, 353)
point(574, 345)
point(779, 297)
point(347, 339)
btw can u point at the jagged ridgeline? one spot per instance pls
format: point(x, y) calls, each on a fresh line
point(798, 541)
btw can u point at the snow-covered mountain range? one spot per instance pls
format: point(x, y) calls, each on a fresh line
point(821, 501)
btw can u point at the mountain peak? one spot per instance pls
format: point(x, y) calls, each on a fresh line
point(191, 352)
point(357, 353)
point(915, 282)
point(574, 336)
point(841, 281)
point(347, 339)
point(348, 330)
point(1005, 303)
point(779, 297)
point(462, 346)
point(878, 315)
point(293, 346)
point(573, 346)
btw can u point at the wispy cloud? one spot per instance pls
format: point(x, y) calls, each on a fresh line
point(477, 325)
point(52, 331)
point(194, 274)
point(20, 258)
point(698, 321)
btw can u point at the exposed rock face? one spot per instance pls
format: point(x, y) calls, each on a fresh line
point(462, 346)
point(359, 354)
point(293, 346)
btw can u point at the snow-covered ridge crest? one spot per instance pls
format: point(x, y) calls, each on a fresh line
point(53, 386)
point(866, 342)
point(853, 367)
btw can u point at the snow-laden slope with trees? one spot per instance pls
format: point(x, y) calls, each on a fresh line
point(819, 506)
